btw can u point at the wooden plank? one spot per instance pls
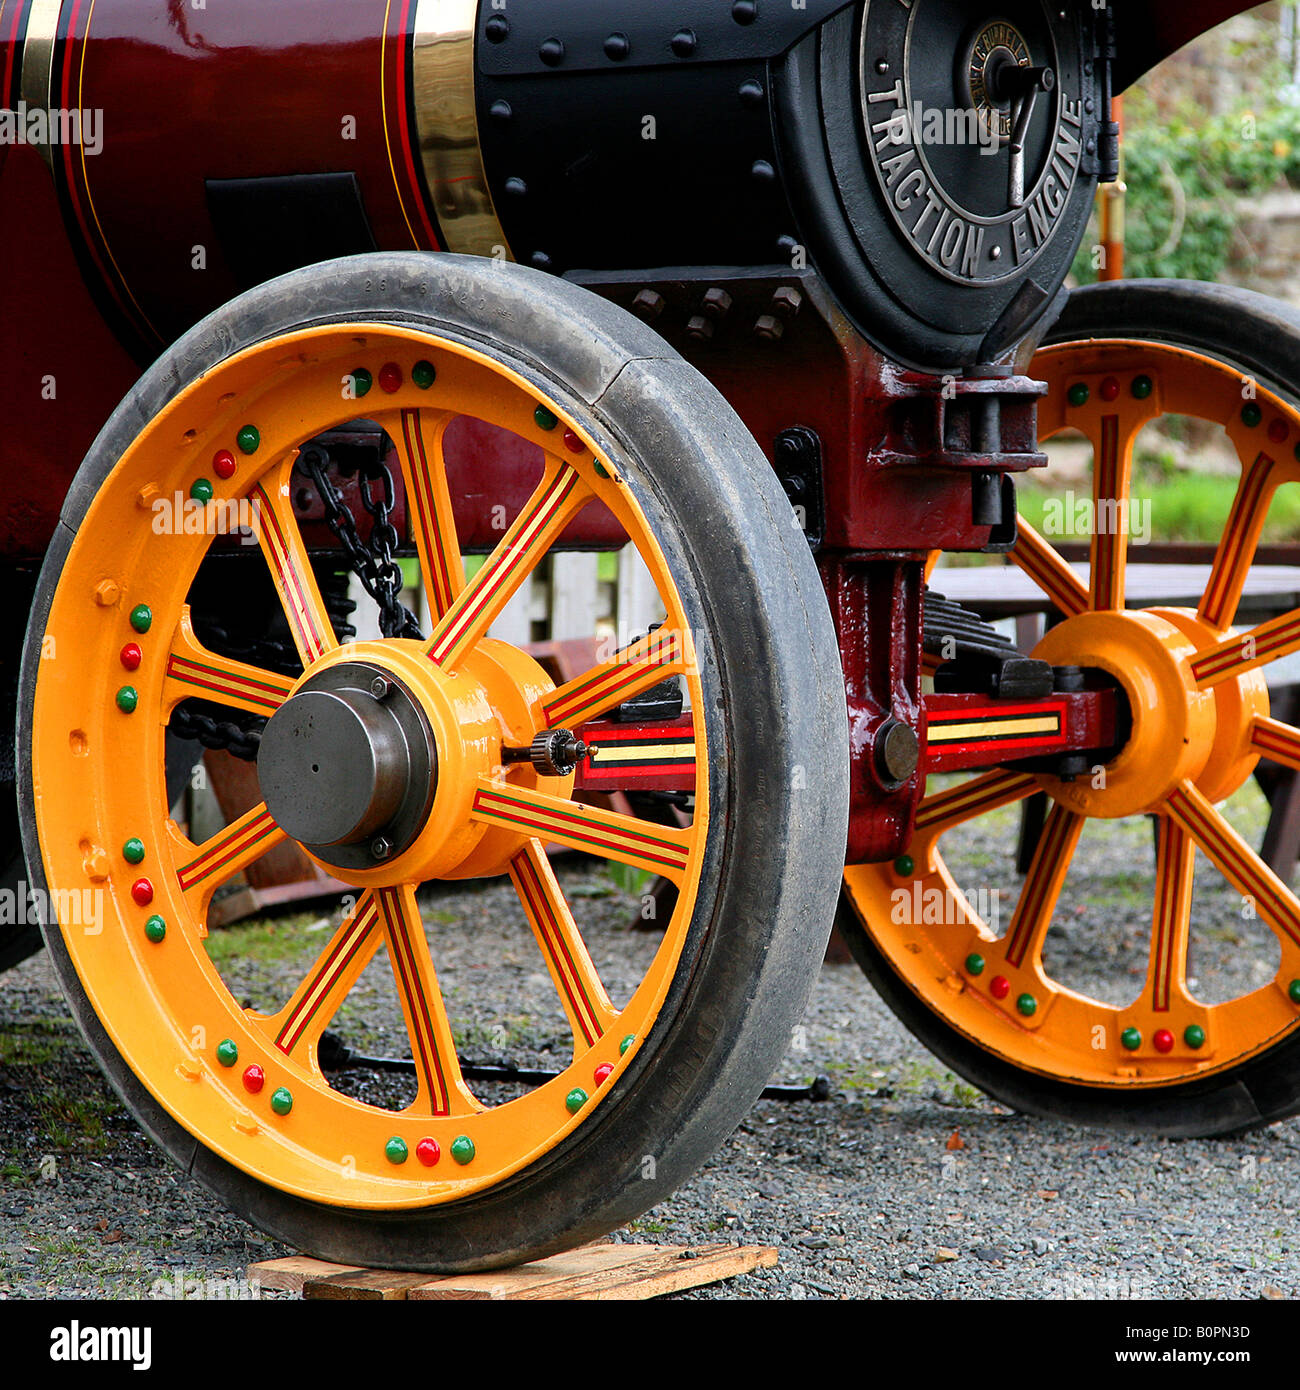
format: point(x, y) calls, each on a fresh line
point(290, 1273)
point(364, 1285)
point(605, 1273)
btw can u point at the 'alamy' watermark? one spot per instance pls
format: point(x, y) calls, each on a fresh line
point(179, 515)
point(942, 907)
point(34, 125)
point(24, 905)
point(944, 126)
point(1071, 515)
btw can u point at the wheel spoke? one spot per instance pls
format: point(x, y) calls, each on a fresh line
point(1043, 564)
point(1234, 656)
point(1112, 465)
point(1277, 741)
point(645, 663)
point(1233, 558)
point(625, 839)
point(955, 805)
point(1171, 915)
point(442, 1089)
point(296, 1029)
point(1042, 886)
point(1237, 862)
point(231, 850)
point(585, 1001)
point(556, 501)
point(420, 437)
point(281, 541)
point(195, 672)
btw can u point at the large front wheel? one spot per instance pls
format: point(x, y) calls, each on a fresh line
point(408, 760)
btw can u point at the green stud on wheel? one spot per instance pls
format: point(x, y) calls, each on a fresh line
point(462, 1149)
point(127, 699)
point(631, 1038)
point(227, 1052)
point(1131, 1039)
point(1027, 1005)
point(249, 439)
point(975, 963)
point(201, 490)
point(1142, 387)
point(905, 866)
point(1251, 415)
point(575, 1100)
point(395, 1150)
point(1078, 394)
point(424, 374)
point(545, 420)
point(1293, 989)
point(1194, 1035)
point(362, 381)
point(282, 1101)
point(133, 851)
point(155, 929)
point(142, 617)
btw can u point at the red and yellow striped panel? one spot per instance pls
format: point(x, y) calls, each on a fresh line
point(228, 683)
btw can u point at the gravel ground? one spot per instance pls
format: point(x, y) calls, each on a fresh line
point(908, 1183)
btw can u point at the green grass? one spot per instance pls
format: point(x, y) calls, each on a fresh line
point(31, 1044)
point(263, 940)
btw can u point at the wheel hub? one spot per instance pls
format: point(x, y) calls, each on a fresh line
point(349, 766)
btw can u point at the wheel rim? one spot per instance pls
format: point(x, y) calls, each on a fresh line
point(248, 1085)
point(1201, 722)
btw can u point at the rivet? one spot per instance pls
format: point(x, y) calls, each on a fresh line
point(882, 66)
point(395, 1150)
point(96, 865)
point(752, 92)
point(905, 866)
point(131, 656)
point(575, 1100)
point(390, 378)
point(516, 188)
point(552, 52)
point(603, 1073)
point(107, 593)
point(133, 851)
point(1293, 989)
point(1142, 387)
point(501, 111)
point(424, 374)
point(282, 1101)
point(147, 496)
point(1251, 415)
point(497, 29)
point(1131, 1039)
point(227, 1052)
point(545, 420)
point(1027, 1005)
point(155, 928)
point(1163, 1040)
point(999, 986)
point(254, 1079)
point(201, 490)
point(428, 1151)
point(142, 892)
point(142, 617)
point(1078, 394)
point(617, 47)
point(223, 464)
point(684, 43)
point(763, 171)
point(248, 439)
point(995, 253)
point(127, 699)
point(380, 848)
point(462, 1149)
point(745, 11)
point(1194, 1035)
point(626, 1043)
point(362, 381)
point(573, 444)
point(975, 963)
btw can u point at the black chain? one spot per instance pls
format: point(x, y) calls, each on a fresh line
point(374, 566)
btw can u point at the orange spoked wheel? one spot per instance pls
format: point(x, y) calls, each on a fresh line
point(1002, 973)
point(404, 761)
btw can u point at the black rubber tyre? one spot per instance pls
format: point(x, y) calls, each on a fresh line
point(1261, 338)
point(18, 940)
point(769, 665)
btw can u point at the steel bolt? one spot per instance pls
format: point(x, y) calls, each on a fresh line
point(787, 302)
point(379, 688)
point(648, 305)
point(770, 328)
point(380, 848)
point(717, 303)
point(700, 328)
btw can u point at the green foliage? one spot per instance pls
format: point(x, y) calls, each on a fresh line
point(1189, 181)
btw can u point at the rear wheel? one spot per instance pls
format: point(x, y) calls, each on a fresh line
point(405, 761)
point(1159, 1047)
